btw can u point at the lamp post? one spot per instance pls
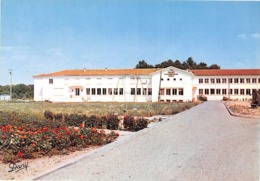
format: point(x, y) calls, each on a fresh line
point(10, 72)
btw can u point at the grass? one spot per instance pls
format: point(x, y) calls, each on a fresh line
point(99, 109)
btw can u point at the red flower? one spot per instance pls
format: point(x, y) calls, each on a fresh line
point(60, 136)
point(80, 136)
point(19, 154)
point(4, 129)
point(68, 132)
point(117, 134)
point(94, 130)
point(81, 125)
point(3, 137)
point(125, 117)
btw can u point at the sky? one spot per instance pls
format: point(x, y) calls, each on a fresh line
point(44, 36)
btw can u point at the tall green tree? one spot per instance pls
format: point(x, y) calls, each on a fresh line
point(143, 65)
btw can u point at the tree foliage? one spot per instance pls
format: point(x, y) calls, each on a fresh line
point(19, 91)
point(188, 64)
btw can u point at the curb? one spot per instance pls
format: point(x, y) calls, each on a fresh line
point(239, 115)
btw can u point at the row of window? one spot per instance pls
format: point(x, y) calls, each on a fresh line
point(118, 91)
point(230, 80)
point(168, 79)
point(226, 91)
point(169, 92)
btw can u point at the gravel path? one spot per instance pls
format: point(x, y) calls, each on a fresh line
point(203, 143)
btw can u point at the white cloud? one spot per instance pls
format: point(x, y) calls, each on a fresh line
point(243, 36)
point(249, 36)
point(255, 35)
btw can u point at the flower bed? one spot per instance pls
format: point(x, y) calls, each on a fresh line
point(23, 136)
point(30, 136)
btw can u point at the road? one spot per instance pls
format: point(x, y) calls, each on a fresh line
point(203, 143)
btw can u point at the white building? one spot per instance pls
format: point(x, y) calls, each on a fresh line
point(145, 85)
point(5, 97)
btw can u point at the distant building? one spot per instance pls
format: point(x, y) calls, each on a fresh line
point(145, 85)
point(5, 97)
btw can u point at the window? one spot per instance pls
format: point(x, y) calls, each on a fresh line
point(121, 91)
point(110, 91)
point(168, 79)
point(248, 92)
point(206, 81)
point(98, 91)
point(161, 91)
point(150, 91)
point(168, 91)
point(212, 81)
point(224, 91)
point(242, 92)
point(181, 91)
point(224, 80)
point(201, 81)
point(174, 79)
point(253, 80)
point(230, 80)
point(93, 91)
point(248, 80)
point(144, 91)
point(212, 91)
point(236, 80)
point(174, 91)
point(161, 79)
point(218, 91)
point(180, 79)
point(50, 81)
point(138, 91)
point(230, 91)
point(115, 91)
point(206, 91)
point(218, 81)
point(259, 80)
point(242, 80)
point(236, 91)
point(132, 91)
point(200, 91)
point(104, 91)
point(77, 91)
point(88, 91)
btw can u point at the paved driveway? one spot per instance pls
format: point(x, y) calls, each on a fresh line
point(203, 143)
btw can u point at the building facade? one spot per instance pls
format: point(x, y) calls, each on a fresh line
point(145, 85)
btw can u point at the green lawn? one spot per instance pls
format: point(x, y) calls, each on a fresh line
point(99, 109)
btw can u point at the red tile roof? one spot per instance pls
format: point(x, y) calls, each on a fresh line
point(86, 72)
point(225, 72)
point(100, 72)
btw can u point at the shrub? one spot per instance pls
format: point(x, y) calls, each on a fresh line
point(48, 115)
point(112, 122)
point(74, 119)
point(140, 124)
point(132, 124)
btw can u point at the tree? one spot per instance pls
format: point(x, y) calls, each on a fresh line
point(165, 64)
point(202, 65)
point(191, 64)
point(143, 65)
point(214, 66)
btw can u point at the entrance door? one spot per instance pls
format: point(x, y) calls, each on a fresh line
point(77, 91)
